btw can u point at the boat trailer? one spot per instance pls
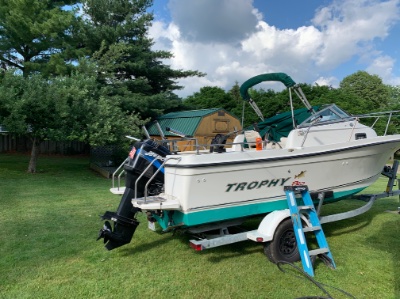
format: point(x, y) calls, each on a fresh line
point(205, 240)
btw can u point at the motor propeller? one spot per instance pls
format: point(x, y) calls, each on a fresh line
point(104, 232)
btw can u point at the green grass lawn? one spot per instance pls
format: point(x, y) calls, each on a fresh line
point(49, 223)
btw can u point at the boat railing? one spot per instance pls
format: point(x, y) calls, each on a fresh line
point(119, 172)
point(390, 117)
point(172, 144)
point(153, 176)
point(313, 123)
point(235, 146)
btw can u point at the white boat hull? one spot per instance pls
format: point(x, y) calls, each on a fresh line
point(216, 187)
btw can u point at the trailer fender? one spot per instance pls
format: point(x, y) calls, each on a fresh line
point(267, 227)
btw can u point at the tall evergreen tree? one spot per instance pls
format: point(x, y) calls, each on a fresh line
point(116, 34)
point(35, 34)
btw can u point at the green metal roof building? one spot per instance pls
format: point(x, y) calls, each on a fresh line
point(203, 124)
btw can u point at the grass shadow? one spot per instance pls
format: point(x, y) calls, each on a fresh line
point(342, 227)
point(143, 247)
point(233, 251)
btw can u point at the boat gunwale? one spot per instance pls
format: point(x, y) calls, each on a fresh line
point(296, 156)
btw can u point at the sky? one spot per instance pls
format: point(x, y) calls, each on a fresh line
point(313, 41)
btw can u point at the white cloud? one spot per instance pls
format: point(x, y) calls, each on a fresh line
point(210, 21)
point(383, 67)
point(327, 81)
point(348, 27)
point(230, 42)
point(289, 50)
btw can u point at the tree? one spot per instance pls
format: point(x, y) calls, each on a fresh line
point(394, 97)
point(115, 34)
point(208, 97)
point(369, 89)
point(346, 101)
point(50, 94)
point(64, 108)
point(35, 36)
point(394, 104)
point(237, 100)
point(268, 101)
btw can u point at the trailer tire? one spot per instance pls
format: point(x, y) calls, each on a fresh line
point(283, 246)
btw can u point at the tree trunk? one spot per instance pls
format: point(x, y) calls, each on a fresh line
point(34, 155)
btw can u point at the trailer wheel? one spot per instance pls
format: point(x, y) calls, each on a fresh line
point(283, 247)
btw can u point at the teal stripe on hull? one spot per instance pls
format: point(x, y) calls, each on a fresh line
point(234, 212)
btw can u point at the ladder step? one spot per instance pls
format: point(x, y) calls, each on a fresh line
point(311, 228)
point(305, 207)
point(318, 251)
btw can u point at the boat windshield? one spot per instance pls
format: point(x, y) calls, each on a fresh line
point(328, 114)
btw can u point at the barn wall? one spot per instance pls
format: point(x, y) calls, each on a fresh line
point(219, 122)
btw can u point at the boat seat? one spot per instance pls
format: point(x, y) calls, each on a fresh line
point(238, 139)
point(290, 140)
point(283, 142)
point(251, 137)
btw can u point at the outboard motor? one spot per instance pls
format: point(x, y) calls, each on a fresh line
point(125, 223)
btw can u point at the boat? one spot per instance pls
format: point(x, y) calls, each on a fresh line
point(330, 151)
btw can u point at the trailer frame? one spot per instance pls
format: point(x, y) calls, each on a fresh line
point(271, 221)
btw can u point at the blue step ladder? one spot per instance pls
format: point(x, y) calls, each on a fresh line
point(307, 256)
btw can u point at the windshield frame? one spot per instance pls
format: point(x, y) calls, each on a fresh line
point(327, 115)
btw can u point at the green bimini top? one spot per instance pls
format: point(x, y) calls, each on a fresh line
point(280, 77)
